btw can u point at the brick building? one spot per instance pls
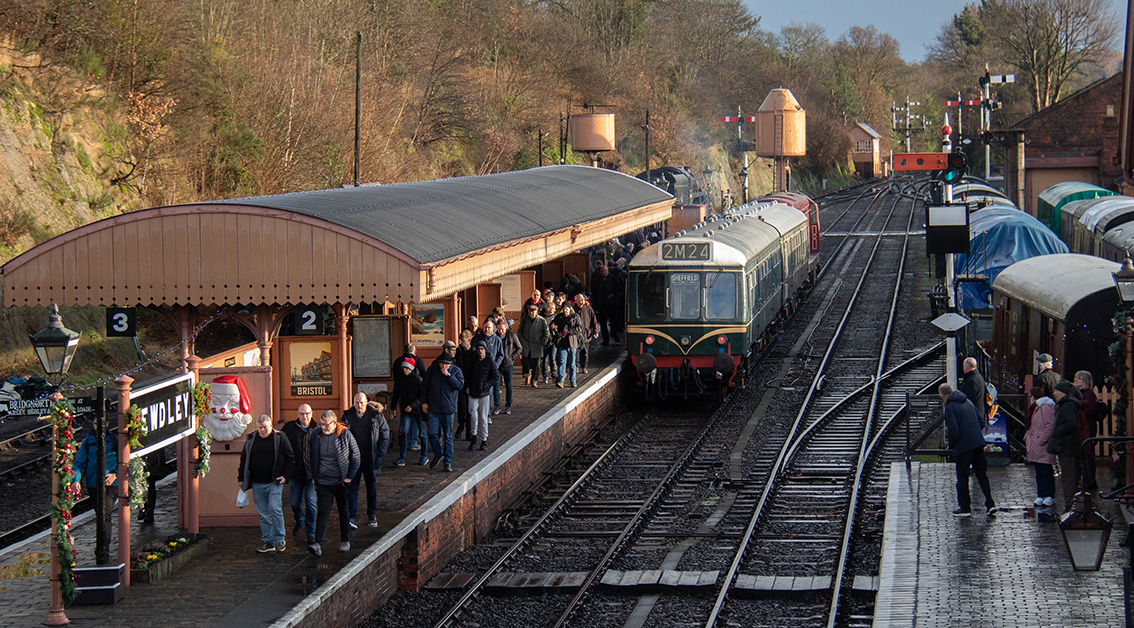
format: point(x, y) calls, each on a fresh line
point(866, 154)
point(1076, 139)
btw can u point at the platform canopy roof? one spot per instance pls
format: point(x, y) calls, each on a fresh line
point(408, 242)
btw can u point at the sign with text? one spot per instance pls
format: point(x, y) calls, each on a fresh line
point(686, 251)
point(16, 408)
point(167, 411)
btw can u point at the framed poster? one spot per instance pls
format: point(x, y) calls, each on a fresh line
point(312, 371)
point(370, 348)
point(511, 293)
point(427, 324)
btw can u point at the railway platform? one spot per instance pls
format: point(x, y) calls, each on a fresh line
point(1009, 570)
point(424, 516)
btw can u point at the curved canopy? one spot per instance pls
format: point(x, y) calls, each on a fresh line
point(408, 242)
point(1000, 237)
point(1080, 276)
point(1061, 193)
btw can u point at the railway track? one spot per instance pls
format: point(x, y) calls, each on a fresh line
point(668, 554)
point(27, 452)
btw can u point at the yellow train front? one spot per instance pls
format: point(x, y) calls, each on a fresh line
point(700, 303)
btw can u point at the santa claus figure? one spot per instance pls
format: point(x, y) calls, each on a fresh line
point(230, 412)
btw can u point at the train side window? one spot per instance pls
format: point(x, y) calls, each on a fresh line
point(685, 296)
point(651, 297)
point(722, 296)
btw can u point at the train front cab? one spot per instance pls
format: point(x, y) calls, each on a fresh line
point(684, 327)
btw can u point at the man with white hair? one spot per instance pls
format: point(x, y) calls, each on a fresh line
point(1047, 377)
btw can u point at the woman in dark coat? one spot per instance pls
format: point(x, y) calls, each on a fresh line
point(1065, 441)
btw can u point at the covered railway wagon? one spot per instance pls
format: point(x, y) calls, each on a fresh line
point(973, 191)
point(1052, 200)
point(1057, 304)
point(700, 302)
point(1000, 236)
point(1113, 212)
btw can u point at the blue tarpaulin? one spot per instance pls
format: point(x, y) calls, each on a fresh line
point(999, 237)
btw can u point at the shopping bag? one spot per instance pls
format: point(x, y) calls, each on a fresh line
point(241, 499)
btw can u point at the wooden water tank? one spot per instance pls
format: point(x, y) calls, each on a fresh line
point(592, 132)
point(781, 126)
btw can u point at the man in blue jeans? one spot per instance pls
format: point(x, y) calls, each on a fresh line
point(265, 464)
point(407, 402)
point(439, 389)
point(301, 489)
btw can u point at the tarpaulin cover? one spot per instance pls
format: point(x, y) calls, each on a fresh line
point(999, 237)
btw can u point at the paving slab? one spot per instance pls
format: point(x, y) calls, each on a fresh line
point(1008, 570)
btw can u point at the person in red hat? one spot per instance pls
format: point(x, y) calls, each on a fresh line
point(231, 408)
point(407, 401)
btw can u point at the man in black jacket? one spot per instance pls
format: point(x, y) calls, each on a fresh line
point(407, 401)
point(416, 432)
point(332, 459)
point(300, 487)
point(265, 463)
point(372, 433)
point(479, 379)
point(975, 389)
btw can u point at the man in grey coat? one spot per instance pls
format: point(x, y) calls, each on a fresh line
point(962, 433)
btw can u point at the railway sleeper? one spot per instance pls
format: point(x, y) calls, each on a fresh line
point(751, 586)
point(509, 583)
point(638, 581)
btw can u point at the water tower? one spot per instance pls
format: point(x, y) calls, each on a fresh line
point(592, 133)
point(781, 132)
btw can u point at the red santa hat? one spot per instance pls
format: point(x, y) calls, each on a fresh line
point(410, 362)
point(245, 400)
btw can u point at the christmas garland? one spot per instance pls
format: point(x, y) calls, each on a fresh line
point(135, 427)
point(139, 485)
point(1117, 379)
point(62, 418)
point(202, 397)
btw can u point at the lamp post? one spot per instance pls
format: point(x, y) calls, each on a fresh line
point(55, 347)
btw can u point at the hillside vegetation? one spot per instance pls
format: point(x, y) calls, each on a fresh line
point(113, 105)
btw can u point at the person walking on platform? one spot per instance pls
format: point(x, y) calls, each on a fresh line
point(1065, 442)
point(372, 434)
point(534, 336)
point(266, 462)
point(566, 329)
point(549, 351)
point(495, 348)
point(975, 389)
point(512, 349)
point(962, 433)
point(407, 400)
point(463, 357)
point(301, 490)
point(439, 391)
point(1088, 424)
point(416, 433)
point(1036, 439)
point(479, 378)
point(332, 458)
point(588, 322)
point(1047, 377)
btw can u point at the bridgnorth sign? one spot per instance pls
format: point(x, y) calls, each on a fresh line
point(167, 411)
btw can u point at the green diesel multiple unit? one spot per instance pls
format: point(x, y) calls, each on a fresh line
point(699, 303)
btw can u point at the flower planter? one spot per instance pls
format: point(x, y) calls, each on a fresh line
point(163, 567)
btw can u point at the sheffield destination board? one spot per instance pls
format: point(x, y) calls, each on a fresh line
point(167, 410)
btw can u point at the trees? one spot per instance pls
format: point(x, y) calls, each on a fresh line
point(1047, 42)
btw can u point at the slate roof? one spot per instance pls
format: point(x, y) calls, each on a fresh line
point(436, 220)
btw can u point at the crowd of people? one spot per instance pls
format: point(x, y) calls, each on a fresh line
point(1061, 415)
point(456, 396)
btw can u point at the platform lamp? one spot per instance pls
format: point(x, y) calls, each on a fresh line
point(1085, 533)
point(55, 347)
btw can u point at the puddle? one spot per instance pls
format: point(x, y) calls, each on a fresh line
point(26, 567)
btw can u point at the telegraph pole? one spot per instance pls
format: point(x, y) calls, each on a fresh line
point(905, 123)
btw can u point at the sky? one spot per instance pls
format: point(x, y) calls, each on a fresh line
point(914, 23)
